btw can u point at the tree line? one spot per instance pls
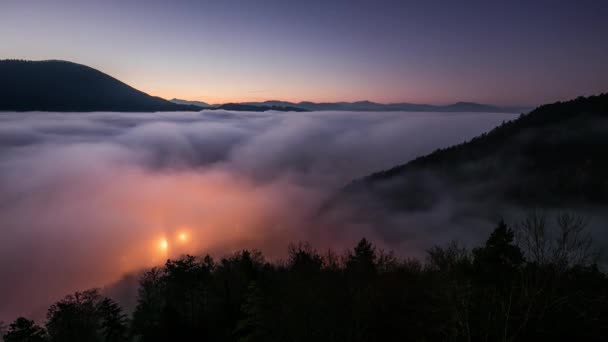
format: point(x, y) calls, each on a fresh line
point(536, 279)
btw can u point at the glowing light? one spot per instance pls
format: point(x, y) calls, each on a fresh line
point(163, 244)
point(182, 237)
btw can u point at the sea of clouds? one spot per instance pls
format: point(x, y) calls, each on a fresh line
point(86, 197)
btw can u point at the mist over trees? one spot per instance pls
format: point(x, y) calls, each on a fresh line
point(535, 279)
point(552, 156)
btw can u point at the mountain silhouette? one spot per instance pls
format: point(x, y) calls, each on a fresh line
point(358, 106)
point(553, 156)
point(65, 86)
point(258, 108)
point(368, 106)
point(193, 103)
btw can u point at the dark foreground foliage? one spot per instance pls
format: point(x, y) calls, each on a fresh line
point(535, 281)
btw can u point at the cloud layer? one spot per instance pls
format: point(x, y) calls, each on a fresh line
point(88, 197)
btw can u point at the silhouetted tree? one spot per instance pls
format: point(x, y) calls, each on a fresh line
point(3, 329)
point(451, 270)
point(25, 330)
point(86, 316)
point(254, 325)
point(303, 259)
point(500, 257)
point(363, 259)
point(497, 266)
point(147, 318)
point(490, 293)
point(114, 323)
point(566, 243)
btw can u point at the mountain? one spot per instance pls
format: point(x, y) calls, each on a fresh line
point(270, 103)
point(368, 106)
point(65, 86)
point(553, 156)
point(193, 103)
point(471, 107)
point(258, 108)
point(279, 106)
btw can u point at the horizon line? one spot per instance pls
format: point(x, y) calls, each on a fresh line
point(358, 101)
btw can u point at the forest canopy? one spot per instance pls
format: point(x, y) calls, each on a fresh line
point(535, 279)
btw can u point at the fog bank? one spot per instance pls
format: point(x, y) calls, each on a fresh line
point(88, 197)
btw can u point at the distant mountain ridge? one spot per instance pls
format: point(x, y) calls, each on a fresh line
point(367, 106)
point(258, 108)
point(69, 87)
point(194, 103)
point(55, 85)
point(364, 106)
point(553, 156)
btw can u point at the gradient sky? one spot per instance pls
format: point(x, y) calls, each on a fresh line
point(501, 52)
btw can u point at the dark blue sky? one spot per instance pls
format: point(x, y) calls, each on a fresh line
point(503, 52)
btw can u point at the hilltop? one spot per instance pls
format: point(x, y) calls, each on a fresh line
point(69, 87)
point(553, 156)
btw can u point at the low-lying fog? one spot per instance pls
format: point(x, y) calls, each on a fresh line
point(88, 197)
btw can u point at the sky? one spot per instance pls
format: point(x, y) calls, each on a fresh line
point(499, 52)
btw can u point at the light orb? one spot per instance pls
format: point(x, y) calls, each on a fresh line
point(163, 244)
point(182, 237)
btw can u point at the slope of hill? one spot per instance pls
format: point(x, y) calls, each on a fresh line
point(65, 86)
point(553, 156)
